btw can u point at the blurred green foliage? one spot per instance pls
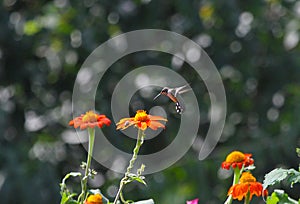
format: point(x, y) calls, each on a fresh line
point(43, 44)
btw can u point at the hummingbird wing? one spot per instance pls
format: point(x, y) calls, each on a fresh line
point(181, 89)
point(185, 90)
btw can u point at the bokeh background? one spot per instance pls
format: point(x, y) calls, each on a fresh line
point(253, 44)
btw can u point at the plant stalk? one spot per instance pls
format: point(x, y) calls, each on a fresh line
point(84, 180)
point(139, 142)
point(247, 198)
point(236, 177)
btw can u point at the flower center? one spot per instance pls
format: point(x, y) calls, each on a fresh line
point(247, 178)
point(235, 156)
point(90, 117)
point(141, 116)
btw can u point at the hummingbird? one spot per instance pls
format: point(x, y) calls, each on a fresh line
point(174, 95)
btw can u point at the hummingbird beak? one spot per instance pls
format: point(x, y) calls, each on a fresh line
point(157, 96)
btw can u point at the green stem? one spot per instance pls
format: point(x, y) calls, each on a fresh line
point(236, 177)
point(136, 150)
point(139, 142)
point(247, 198)
point(119, 191)
point(122, 198)
point(293, 201)
point(83, 194)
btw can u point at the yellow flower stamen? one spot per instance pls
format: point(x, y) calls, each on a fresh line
point(141, 116)
point(90, 117)
point(235, 156)
point(247, 177)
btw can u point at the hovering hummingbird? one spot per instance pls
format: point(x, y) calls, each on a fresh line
point(174, 95)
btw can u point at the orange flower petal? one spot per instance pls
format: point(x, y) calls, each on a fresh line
point(125, 124)
point(123, 120)
point(94, 199)
point(91, 120)
point(154, 125)
point(141, 120)
point(247, 185)
point(154, 117)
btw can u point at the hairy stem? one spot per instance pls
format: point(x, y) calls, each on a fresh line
point(84, 180)
point(139, 142)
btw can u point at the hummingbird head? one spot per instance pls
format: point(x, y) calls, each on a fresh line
point(164, 91)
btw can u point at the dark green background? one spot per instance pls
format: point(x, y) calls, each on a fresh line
point(254, 44)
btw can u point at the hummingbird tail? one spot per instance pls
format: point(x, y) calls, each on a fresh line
point(178, 107)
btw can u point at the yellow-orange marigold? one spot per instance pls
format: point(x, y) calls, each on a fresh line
point(91, 120)
point(94, 199)
point(237, 159)
point(247, 184)
point(142, 121)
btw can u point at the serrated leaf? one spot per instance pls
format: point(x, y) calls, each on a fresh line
point(294, 177)
point(273, 199)
point(275, 176)
point(278, 175)
point(66, 198)
point(280, 197)
point(139, 179)
point(150, 201)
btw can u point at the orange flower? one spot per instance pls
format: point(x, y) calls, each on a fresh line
point(90, 119)
point(94, 199)
point(247, 184)
point(237, 159)
point(141, 120)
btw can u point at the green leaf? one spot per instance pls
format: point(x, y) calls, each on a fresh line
point(294, 177)
point(150, 201)
point(65, 193)
point(298, 151)
point(66, 198)
point(273, 199)
point(280, 197)
point(140, 180)
point(134, 177)
point(278, 175)
point(274, 177)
